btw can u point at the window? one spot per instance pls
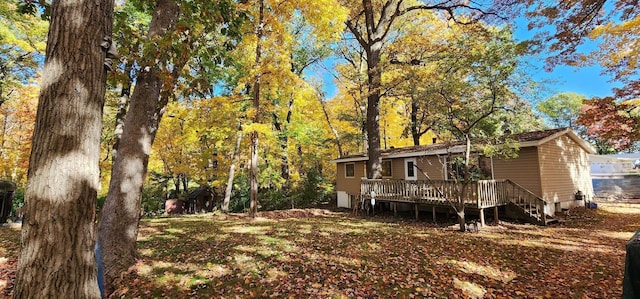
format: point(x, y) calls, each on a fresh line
point(411, 172)
point(350, 170)
point(386, 168)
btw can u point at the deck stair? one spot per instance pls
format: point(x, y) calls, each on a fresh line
point(531, 206)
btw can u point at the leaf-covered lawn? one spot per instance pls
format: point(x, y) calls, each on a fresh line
point(334, 255)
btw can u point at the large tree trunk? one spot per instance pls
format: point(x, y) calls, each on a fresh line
point(415, 127)
point(57, 255)
point(374, 164)
point(253, 175)
point(466, 178)
point(253, 172)
point(118, 227)
point(372, 40)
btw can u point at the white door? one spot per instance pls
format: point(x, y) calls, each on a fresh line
point(410, 171)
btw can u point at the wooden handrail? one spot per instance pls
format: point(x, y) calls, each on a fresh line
point(423, 191)
point(528, 201)
point(479, 194)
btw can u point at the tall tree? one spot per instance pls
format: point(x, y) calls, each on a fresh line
point(118, 227)
point(57, 255)
point(610, 124)
point(168, 47)
point(562, 110)
point(253, 166)
point(478, 90)
point(351, 79)
point(271, 75)
point(370, 23)
point(414, 55)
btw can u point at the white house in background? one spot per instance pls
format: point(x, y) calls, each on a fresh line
point(614, 176)
point(608, 165)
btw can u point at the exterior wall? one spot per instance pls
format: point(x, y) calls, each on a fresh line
point(613, 167)
point(564, 169)
point(428, 164)
point(397, 169)
point(350, 185)
point(432, 166)
point(522, 170)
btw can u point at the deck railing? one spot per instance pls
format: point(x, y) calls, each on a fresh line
point(479, 194)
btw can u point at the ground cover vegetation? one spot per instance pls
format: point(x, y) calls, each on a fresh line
point(221, 95)
point(329, 254)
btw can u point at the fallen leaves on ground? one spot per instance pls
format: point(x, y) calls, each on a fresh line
point(323, 254)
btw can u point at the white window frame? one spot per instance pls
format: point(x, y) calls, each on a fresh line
point(406, 169)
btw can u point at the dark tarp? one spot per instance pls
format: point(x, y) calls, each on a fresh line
point(631, 282)
point(6, 199)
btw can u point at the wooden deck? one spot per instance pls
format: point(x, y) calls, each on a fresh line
point(479, 195)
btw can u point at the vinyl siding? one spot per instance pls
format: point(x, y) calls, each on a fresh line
point(564, 170)
point(432, 166)
point(522, 170)
point(397, 169)
point(428, 164)
point(350, 185)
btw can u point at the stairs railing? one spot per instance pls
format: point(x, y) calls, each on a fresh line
point(531, 204)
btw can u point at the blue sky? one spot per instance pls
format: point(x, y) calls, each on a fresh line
point(582, 80)
point(587, 81)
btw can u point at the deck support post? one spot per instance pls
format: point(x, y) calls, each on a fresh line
point(395, 209)
point(433, 212)
point(415, 206)
point(482, 217)
point(495, 215)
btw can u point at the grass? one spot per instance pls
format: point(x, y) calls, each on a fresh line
point(334, 255)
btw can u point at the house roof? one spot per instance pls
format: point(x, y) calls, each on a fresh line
point(528, 139)
point(617, 158)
